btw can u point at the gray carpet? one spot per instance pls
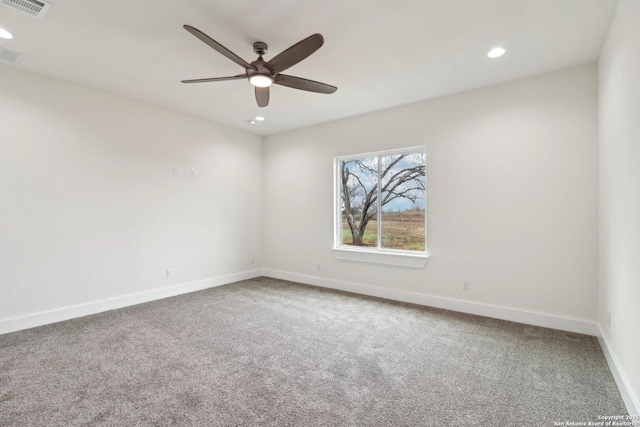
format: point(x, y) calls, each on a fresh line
point(273, 353)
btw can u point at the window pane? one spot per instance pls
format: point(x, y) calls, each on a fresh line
point(359, 193)
point(403, 201)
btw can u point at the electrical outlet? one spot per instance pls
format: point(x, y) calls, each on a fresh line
point(176, 172)
point(169, 273)
point(253, 260)
point(319, 266)
point(466, 285)
point(192, 172)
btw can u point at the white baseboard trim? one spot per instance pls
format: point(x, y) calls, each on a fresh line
point(631, 400)
point(496, 312)
point(46, 317)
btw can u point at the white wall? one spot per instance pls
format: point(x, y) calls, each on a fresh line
point(619, 115)
point(512, 199)
point(90, 209)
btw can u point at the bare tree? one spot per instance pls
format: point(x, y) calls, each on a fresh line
point(360, 187)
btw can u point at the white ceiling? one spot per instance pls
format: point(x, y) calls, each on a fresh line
point(379, 54)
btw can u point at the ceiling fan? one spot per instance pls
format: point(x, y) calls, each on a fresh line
point(263, 74)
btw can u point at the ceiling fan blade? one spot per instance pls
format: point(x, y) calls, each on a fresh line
point(295, 53)
point(217, 46)
point(216, 79)
point(262, 96)
point(304, 84)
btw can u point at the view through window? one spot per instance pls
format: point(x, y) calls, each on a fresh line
point(382, 199)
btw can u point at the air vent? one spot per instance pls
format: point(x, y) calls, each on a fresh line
point(32, 7)
point(7, 55)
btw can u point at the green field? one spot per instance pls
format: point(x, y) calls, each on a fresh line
point(400, 230)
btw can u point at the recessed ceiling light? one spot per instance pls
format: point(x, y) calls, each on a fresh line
point(4, 34)
point(253, 122)
point(259, 118)
point(496, 52)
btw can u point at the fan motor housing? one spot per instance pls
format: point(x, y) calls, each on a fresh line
point(261, 67)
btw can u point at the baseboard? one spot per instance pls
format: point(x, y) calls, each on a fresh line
point(631, 400)
point(44, 318)
point(496, 312)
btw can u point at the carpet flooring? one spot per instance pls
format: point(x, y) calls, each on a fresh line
point(266, 352)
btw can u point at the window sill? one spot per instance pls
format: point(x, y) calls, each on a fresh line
point(377, 257)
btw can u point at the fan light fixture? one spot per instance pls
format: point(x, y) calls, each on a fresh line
point(496, 52)
point(260, 80)
point(4, 34)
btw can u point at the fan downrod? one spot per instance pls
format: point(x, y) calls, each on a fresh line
point(260, 48)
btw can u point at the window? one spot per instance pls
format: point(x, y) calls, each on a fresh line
point(381, 201)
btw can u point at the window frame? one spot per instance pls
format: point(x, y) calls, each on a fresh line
point(377, 255)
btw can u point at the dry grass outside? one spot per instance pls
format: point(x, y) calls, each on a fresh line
point(400, 230)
